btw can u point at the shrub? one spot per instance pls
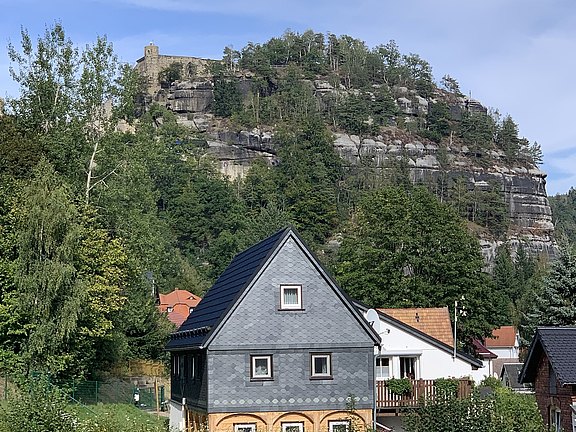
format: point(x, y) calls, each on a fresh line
point(400, 386)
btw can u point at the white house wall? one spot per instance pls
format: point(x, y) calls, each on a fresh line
point(433, 362)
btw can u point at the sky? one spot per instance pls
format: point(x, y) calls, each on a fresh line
point(516, 56)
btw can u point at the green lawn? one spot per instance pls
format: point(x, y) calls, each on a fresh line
point(118, 418)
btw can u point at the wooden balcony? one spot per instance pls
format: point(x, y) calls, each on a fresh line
point(421, 389)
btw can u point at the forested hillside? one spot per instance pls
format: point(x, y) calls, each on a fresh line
point(95, 219)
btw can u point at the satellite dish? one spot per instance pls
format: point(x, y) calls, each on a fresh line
point(373, 318)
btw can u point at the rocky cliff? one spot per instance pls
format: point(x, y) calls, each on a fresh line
point(523, 186)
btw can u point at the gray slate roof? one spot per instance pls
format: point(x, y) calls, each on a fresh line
point(212, 310)
point(224, 293)
point(513, 372)
point(559, 345)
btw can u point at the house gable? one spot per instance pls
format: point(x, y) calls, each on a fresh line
point(221, 297)
point(326, 317)
point(558, 344)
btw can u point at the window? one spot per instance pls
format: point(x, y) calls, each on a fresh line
point(555, 420)
point(291, 297)
point(192, 366)
point(293, 427)
point(169, 309)
point(245, 427)
point(261, 367)
point(382, 368)
point(320, 366)
point(408, 367)
point(175, 365)
point(339, 426)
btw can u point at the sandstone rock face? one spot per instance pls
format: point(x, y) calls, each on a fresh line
point(524, 188)
point(192, 97)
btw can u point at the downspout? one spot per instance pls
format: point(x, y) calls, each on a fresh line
point(375, 395)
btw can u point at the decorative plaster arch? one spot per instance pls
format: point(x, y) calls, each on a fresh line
point(294, 413)
point(254, 416)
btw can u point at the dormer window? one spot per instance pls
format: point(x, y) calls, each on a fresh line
point(169, 309)
point(291, 297)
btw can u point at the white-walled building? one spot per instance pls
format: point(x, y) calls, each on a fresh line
point(421, 349)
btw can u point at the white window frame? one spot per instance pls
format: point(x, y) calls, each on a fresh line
point(175, 365)
point(313, 373)
point(243, 426)
point(170, 309)
point(332, 423)
point(379, 378)
point(192, 366)
point(253, 360)
point(299, 425)
point(291, 306)
point(415, 363)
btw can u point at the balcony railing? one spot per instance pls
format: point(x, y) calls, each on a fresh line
point(421, 389)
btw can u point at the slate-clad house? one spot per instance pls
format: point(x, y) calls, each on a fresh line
point(274, 345)
point(551, 367)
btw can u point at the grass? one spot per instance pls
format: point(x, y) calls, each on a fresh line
point(119, 417)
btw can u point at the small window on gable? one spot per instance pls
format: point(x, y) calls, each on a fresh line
point(261, 367)
point(245, 427)
point(291, 297)
point(293, 427)
point(321, 366)
point(339, 426)
point(169, 309)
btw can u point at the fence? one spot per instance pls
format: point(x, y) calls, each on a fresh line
point(94, 392)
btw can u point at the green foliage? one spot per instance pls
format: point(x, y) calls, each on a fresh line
point(118, 418)
point(491, 382)
point(308, 175)
point(172, 73)
point(503, 411)
point(400, 386)
point(555, 299)
point(50, 293)
point(564, 216)
point(424, 253)
point(477, 131)
point(37, 406)
point(354, 115)
point(227, 97)
point(446, 388)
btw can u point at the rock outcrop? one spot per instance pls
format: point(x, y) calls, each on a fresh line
point(523, 187)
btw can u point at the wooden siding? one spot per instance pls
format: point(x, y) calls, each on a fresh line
point(421, 388)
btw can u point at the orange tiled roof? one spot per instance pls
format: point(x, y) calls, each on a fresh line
point(504, 336)
point(180, 301)
point(434, 322)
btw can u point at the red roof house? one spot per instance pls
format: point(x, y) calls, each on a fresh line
point(178, 304)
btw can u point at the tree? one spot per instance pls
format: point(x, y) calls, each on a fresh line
point(451, 85)
point(307, 178)
point(227, 97)
point(172, 73)
point(555, 302)
point(405, 249)
point(507, 138)
point(50, 293)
